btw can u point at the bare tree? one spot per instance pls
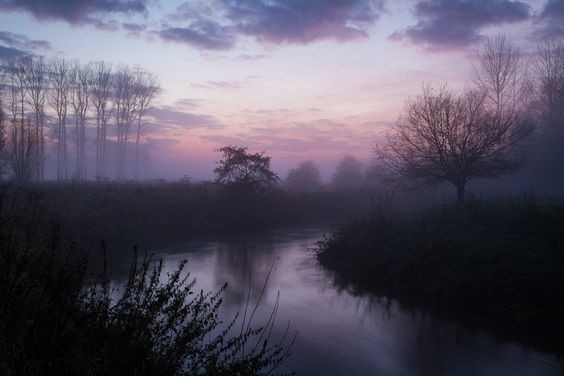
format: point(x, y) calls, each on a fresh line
point(125, 113)
point(3, 151)
point(549, 72)
point(501, 75)
point(61, 81)
point(101, 87)
point(441, 137)
point(80, 102)
point(22, 143)
point(147, 87)
point(36, 85)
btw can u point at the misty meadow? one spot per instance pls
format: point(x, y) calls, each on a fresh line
point(316, 187)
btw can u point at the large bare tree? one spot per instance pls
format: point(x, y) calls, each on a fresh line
point(444, 137)
point(101, 87)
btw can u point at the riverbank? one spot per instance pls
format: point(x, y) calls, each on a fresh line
point(160, 214)
point(499, 263)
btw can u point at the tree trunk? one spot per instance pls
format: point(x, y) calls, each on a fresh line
point(460, 192)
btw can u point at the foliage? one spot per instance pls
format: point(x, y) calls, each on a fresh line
point(241, 171)
point(50, 323)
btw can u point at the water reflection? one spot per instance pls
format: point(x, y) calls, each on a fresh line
point(341, 333)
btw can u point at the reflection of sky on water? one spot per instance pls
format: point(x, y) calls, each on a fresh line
point(342, 334)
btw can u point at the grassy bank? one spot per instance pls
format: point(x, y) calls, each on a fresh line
point(499, 263)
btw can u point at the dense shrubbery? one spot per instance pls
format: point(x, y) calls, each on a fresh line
point(500, 260)
point(55, 319)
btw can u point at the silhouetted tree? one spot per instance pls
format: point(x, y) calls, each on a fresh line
point(239, 170)
point(441, 136)
point(348, 174)
point(304, 178)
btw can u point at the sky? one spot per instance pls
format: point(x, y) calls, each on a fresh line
point(298, 79)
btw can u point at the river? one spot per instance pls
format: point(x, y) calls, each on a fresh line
point(340, 332)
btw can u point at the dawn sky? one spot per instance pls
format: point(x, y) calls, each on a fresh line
point(299, 79)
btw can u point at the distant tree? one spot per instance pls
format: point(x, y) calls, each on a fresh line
point(242, 171)
point(304, 178)
point(441, 137)
point(549, 74)
point(501, 75)
point(348, 174)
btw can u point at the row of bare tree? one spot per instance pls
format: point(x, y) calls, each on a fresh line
point(445, 136)
point(41, 101)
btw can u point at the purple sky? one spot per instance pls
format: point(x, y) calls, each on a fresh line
point(299, 79)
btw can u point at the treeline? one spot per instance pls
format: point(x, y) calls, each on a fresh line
point(51, 104)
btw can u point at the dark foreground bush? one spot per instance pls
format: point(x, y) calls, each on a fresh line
point(499, 262)
point(54, 319)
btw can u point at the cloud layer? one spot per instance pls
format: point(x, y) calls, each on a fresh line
point(551, 20)
point(271, 21)
point(445, 24)
point(14, 45)
point(73, 11)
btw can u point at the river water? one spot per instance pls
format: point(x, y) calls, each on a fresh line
point(340, 332)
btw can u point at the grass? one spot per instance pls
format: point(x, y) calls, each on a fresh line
point(497, 262)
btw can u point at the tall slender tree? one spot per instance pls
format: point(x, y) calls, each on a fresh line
point(36, 85)
point(147, 87)
point(80, 103)
point(125, 113)
point(101, 87)
point(22, 143)
point(61, 81)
